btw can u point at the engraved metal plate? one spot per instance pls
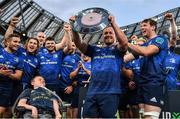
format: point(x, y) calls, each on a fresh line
point(91, 20)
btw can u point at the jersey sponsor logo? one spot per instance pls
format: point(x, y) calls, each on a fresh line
point(16, 59)
point(29, 62)
point(159, 40)
point(105, 57)
point(49, 63)
point(153, 99)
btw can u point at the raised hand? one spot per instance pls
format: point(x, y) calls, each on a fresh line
point(111, 19)
point(67, 27)
point(68, 89)
point(14, 21)
point(169, 16)
point(72, 19)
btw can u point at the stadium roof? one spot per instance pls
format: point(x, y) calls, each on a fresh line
point(33, 18)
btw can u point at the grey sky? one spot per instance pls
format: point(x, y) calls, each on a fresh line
point(125, 11)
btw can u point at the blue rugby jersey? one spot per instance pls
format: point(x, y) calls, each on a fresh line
point(106, 64)
point(13, 62)
point(82, 75)
point(42, 50)
point(172, 65)
point(50, 66)
point(69, 62)
point(152, 66)
point(30, 65)
point(135, 67)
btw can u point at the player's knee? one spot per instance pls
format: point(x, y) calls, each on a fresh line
point(151, 115)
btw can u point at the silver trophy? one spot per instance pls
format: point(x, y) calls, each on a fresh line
point(91, 20)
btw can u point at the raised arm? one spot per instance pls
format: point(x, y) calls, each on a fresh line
point(121, 37)
point(66, 38)
point(77, 40)
point(11, 27)
point(173, 38)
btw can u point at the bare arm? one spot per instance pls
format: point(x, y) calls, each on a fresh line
point(121, 37)
point(56, 109)
point(23, 103)
point(142, 50)
point(74, 73)
point(86, 70)
point(11, 26)
point(170, 17)
point(77, 40)
point(66, 38)
point(128, 73)
point(17, 75)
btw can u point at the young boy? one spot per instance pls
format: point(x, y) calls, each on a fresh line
point(39, 102)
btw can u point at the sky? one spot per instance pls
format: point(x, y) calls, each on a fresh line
point(125, 11)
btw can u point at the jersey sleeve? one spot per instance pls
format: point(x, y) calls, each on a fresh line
point(160, 42)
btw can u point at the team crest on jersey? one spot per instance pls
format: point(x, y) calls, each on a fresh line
point(16, 59)
point(55, 55)
point(159, 40)
point(1, 56)
point(172, 60)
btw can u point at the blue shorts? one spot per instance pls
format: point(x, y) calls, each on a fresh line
point(54, 87)
point(75, 100)
point(66, 97)
point(17, 90)
point(151, 94)
point(132, 97)
point(5, 97)
point(101, 106)
point(123, 102)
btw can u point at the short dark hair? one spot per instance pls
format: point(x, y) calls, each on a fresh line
point(11, 36)
point(49, 39)
point(151, 22)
